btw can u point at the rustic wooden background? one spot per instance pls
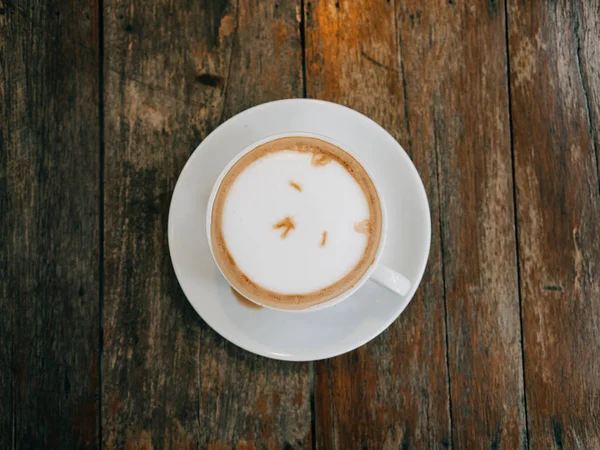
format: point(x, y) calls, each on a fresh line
point(498, 104)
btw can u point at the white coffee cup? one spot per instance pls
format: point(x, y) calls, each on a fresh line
point(381, 274)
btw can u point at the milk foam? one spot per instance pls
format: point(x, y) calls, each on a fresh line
point(263, 195)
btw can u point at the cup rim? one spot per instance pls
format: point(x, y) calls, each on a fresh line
point(368, 272)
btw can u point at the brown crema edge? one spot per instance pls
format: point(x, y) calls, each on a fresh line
point(240, 280)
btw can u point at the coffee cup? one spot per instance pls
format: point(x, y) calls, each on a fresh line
point(295, 223)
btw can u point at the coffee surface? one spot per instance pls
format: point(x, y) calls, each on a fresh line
point(295, 222)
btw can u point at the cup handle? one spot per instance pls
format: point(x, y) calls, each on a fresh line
point(392, 280)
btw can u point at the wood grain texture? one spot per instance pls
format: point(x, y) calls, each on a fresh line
point(454, 57)
point(173, 73)
point(555, 103)
point(49, 142)
point(393, 392)
point(587, 35)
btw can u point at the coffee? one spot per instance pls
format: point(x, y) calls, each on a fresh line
point(295, 222)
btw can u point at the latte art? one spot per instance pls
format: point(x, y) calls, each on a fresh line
point(295, 222)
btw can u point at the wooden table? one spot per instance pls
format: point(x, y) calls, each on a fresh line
point(497, 103)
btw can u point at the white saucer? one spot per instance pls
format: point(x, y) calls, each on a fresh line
point(312, 335)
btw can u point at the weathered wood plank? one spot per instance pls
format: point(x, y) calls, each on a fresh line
point(49, 166)
point(587, 31)
point(174, 72)
point(393, 392)
point(454, 56)
point(555, 93)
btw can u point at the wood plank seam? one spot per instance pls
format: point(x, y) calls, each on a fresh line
point(12, 367)
point(516, 223)
point(400, 64)
point(443, 259)
point(101, 154)
point(402, 72)
point(302, 26)
point(313, 421)
point(13, 389)
point(585, 85)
